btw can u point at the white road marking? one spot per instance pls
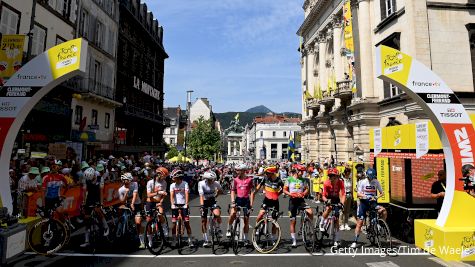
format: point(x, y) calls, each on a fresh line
point(225, 255)
point(382, 264)
point(450, 263)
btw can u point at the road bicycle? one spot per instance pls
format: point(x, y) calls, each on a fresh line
point(377, 231)
point(235, 238)
point(213, 230)
point(96, 228)
point(50, 234)
point(180, 228)
point(266, 234)
point(155, 230)
point(126, 229)
point(329, 227)
point(306, 228)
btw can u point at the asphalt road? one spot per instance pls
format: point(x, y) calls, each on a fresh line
point(116, 255)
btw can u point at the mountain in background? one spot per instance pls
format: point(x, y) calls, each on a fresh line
point(248, 116)
point(259, 109)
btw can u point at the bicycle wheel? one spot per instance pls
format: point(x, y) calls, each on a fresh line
point(262, 239)
point(155, 232)
point(179, 234)
point(383, 236)
point(47, 236)
point(235, 235)
point(307, 235)
point(212, 234)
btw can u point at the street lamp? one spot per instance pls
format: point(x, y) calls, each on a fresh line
point(188, 120)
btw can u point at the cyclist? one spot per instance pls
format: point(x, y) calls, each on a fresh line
point(273, 187)
point(129, 196)
point(156, 193)
point(242, 195)
point(368, 193)
point(179, 197)
point(209, 189)
point(93, 188)
point(333, 193)
point(52, 185)
point(297, 188)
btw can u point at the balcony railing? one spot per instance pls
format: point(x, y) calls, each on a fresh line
point(343, 89)
point(328, 97)
point(312, 103)
point(144, 114)
point(84, 85)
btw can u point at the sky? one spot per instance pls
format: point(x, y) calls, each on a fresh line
point(237, 53)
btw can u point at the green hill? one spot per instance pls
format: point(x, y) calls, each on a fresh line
point(245, 117)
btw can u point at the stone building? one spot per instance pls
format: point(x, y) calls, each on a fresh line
point(174, 134)
point(234, 142)
point(440, 34)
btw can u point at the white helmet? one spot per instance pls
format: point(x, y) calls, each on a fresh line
point(90, 174)
point(241, 167)
point(126, 176)
point(209, 175)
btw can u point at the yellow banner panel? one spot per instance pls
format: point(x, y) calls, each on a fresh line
point(383, 178)
point(11, 54)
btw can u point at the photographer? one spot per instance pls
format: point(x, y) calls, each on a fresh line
point(468, 172)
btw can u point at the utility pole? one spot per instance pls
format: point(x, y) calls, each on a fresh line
point(30, 33)
point(188, 120)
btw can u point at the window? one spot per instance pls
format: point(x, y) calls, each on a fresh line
point(284, 151)
point(84, 24)
point(172, 130)
point(471, 39)
point(39, 40)
point(285, 134)
point(388, 7)
point(9, 22)
point(99, 34)
point(273, 134)
point(273, 151)
point(94, 117)
point(78, 115)
point(262, 133)
point(172, 141)
point(108, 120)
point(97, 75)
point(392, 41)
point(59, 40)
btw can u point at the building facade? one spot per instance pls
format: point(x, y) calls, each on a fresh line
point(174, 134)
point(268, 137)
point(337, 121)
point(141, 58)
point(201, 108)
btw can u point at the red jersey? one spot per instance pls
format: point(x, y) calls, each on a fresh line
point(333, 192)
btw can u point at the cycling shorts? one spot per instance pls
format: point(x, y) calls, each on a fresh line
point(184, 212)
point(294, 205)
point(150, 207)
point(208, 203)
point(244, 202)
point(365, 206)
point(269, 203)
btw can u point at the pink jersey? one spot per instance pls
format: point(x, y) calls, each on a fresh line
point(243, 187)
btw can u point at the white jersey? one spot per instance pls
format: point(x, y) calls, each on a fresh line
point(208, 191)
point(154, 186)
point(369, 189)
point(179, 191)
point(133, 187)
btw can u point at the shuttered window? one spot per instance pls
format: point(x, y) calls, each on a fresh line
point(9, 21)
point(39, 40)
point(388, 7)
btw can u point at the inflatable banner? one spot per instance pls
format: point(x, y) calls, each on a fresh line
point(25, 88)
point(457, 135)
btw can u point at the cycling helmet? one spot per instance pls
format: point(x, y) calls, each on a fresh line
point(466, 169)
point(333, 171)
point(90, 174)
point(126, 177)
point(371, 173)
point(163, 171)
point(57, 162)
point(148, 165)
point(177, 173)
point(270, 169)
point(241, 167)
point(300, 167)
point(209, 175)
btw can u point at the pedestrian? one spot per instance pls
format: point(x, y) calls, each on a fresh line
point(438, 189)
point(348, 182)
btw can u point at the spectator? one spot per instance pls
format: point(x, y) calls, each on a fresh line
point(28, 182)
point(348, 181)
point(438, 189)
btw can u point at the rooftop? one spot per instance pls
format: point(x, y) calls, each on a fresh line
point(271, 119)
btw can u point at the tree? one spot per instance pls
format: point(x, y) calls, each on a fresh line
point(204, 141)
point(172, 152)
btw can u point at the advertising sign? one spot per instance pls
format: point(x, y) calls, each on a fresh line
point(11, 55)
point(378, 141)
point(422, 139)
point(26, 88)
point(383, 178)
